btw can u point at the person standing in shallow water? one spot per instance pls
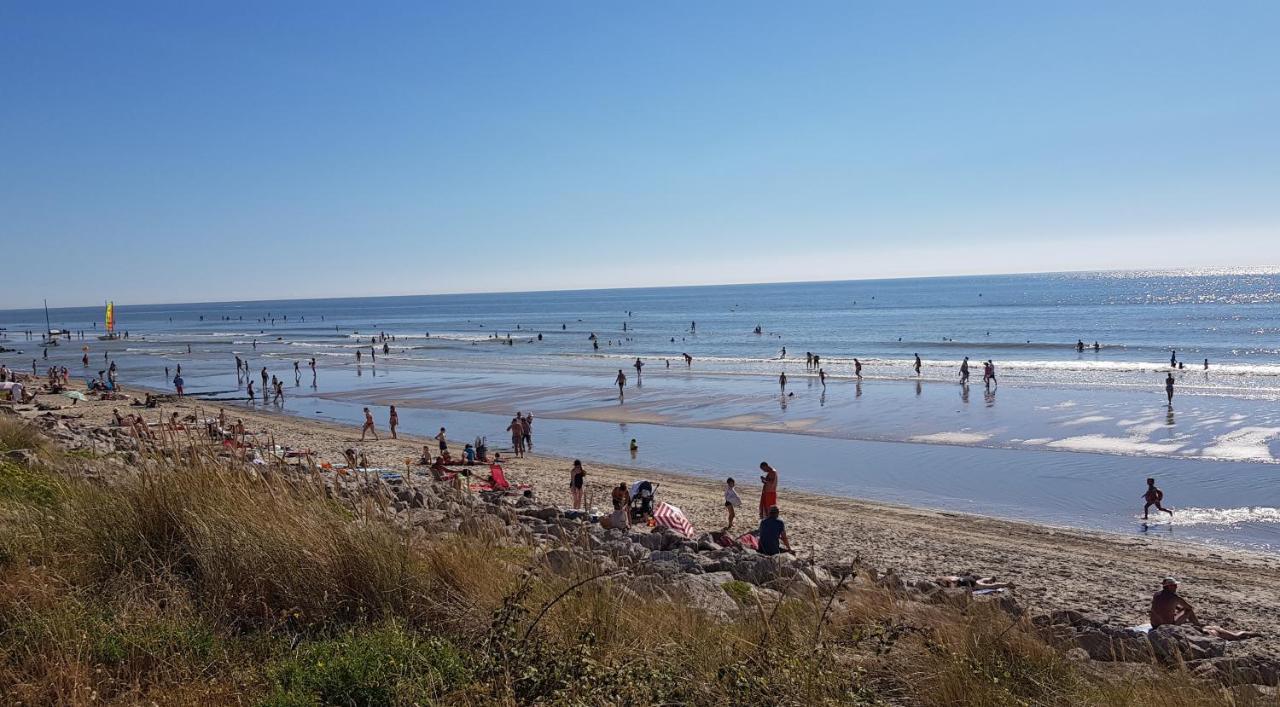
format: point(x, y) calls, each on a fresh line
point(917, 364)
point(1168, 386)
point(782, 381)
point(393, 420)
point(621, 382)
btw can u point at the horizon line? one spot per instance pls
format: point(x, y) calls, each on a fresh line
point(1258, 269)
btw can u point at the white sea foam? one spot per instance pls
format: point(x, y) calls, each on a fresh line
point(952, 438)
point(1246, 443)
point(1222, 516)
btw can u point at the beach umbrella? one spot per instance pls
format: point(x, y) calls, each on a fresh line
point(670, 516)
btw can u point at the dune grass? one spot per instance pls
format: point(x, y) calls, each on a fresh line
point(201, 584)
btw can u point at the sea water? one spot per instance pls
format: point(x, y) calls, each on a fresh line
point(1064, 436)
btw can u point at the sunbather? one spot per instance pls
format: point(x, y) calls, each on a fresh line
point(971, 581)
point(1167, 608)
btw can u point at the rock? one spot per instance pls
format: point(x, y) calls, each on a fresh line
point(1174, 644)
point(1108, 643)
point(705, 593)
point(758, 569)
point(25, 457)
point(1239, 670)
point(649, 541)
point(1004, 601)
point(564, 562)
point(482, 526)
point(545, 513)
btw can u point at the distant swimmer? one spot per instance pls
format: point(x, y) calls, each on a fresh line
point(693, 326)
point(783, 354)
point(917, 364)
point(1168, 386)
point(688, 360)
point(857, 368)
point(1153, 497)
point(782, 381)
point(822, 377)
point(1095, 346)
point(1079, 345)
point(964, 371)
point(638, 366)
point(621, 382)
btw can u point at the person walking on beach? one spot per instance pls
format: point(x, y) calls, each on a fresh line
point(249, 389)
point(279, 392)
point(297, 374)
point(731, 500)
point(393, 420)
point(621, 382)
point(516, 428)
point(769, 489)
point(368, 426)
point(857, 368)
point(527, 429)
point(177, 384)
point(989, 370)
point(577, 483)
point(1153, 497)
point(782, 381)
point(964, 371)
point(917, 364)
point(264, 381)
point(638, 366)
point(822, 378)
point(1168, 387)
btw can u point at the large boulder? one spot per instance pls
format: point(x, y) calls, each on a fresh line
point(1175, 644)
point(1239, 670)
point(705, 593)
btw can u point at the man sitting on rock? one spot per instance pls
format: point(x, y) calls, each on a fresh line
point(773, 530)
point(1167, 608)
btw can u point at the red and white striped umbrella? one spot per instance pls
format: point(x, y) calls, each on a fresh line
point(672, 517)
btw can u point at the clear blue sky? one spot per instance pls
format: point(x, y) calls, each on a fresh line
point(169, 151)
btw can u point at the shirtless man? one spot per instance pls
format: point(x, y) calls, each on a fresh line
point(368, 426)
point(1169, 609)
point(621, 382)
point(1153, 496)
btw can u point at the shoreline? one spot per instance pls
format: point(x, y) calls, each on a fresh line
point(1107, 574)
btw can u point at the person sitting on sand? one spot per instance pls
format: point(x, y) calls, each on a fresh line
point(1169, 609)
point(773, 534)
point(350, 455)
point(468, 453)
point(1153, 496)
point(425, 459)
point(116, 419)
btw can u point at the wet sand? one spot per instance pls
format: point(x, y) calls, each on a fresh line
point(1053, 568)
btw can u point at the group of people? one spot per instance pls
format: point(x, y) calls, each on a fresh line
point(521, 429)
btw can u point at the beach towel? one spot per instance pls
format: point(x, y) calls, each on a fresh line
point(749, 540)
point(669, 516)
point(500, 482)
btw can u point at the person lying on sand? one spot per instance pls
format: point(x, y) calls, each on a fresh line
point(971, 581)
point(1167, 608)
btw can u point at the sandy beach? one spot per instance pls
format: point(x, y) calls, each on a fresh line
point(1052, 568)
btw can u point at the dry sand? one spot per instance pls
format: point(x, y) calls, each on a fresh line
point(1052, 568)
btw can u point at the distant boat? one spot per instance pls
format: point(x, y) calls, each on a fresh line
point(110, 318)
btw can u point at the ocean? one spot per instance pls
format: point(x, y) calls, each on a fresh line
point(1063, 437)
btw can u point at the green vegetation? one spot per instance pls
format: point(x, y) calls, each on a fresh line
point(202, 585)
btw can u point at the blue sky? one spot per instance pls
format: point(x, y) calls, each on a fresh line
point(162, 152)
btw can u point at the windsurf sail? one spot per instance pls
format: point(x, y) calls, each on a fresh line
point(111, 317)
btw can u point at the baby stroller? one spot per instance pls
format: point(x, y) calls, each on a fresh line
point(642, 500)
